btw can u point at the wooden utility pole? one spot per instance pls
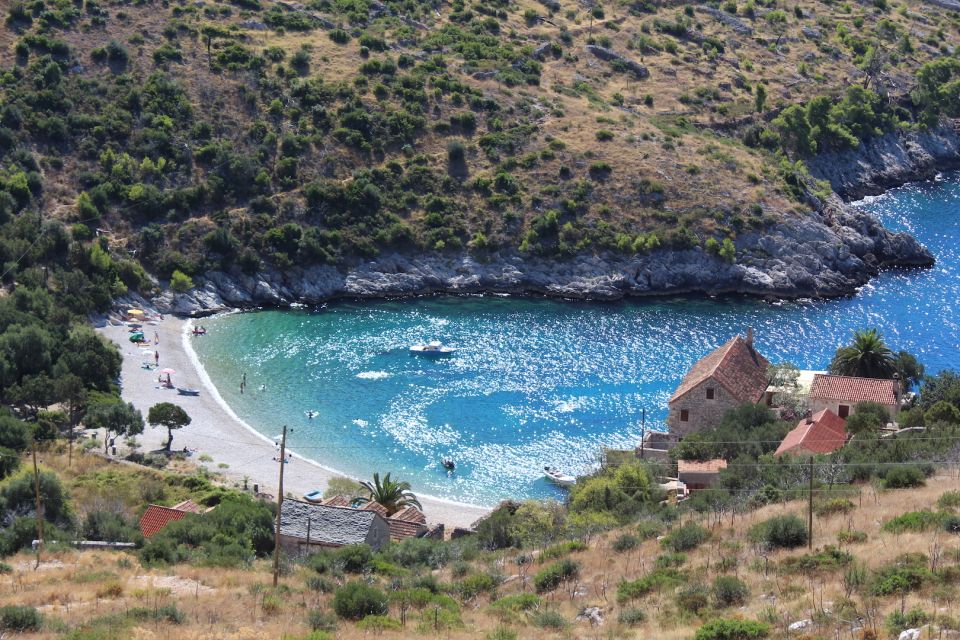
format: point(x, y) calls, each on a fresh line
point(810, 508)
point(36, 492)
point(643, 431)
point(276, 536)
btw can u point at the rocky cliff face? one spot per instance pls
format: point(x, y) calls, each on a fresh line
point(889, 161)
point(822, 254)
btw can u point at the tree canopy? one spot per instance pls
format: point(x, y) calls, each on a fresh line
point(392, 494)
point(169, 415)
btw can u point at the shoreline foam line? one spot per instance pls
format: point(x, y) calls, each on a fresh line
point(211, 388)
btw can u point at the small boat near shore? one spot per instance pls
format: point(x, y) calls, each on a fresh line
point(558, 477)
point(185, 391)
point(433, 348)
point(315, 496)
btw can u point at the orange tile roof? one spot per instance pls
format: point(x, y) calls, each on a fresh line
point(823, 432)
point(708, 466)
point(156, 518)
point(735, 365)
point(410, 514)
point(375, 506)
point(336, 501)
point(188, 506)
point(401, 529)
point(853, 390)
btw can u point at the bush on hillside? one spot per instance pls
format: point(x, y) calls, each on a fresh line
point(556, 574)
point(732, 629)
point(625, 542)
point(631, 617)
point(20, 619)
point(914, 521)
point(693, 598)
point(622, 491)
point(686, 538)
point(780, 532)
point(729, 591)
point(356, 600)
point(904, 478)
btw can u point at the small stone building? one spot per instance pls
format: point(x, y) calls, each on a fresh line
point(305, 526)
point(840, 394)
point(733, 374)
point(699, 475)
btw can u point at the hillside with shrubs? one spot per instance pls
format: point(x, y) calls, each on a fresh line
point(619, 558)
point(184, 137)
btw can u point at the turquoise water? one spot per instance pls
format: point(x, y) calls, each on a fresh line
point(537, 382)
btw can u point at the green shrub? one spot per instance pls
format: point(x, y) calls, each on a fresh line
point(905, 574)
point(516, 604)
point(603, 135)
point(898, 620)
point(829, 559)
point(562, 549)
point(686, 538)
point(780, 532)
point(557, 573)
point(474, 585)
point(354, 558)
point(904, 478)
point(320, 620)
point(625, 542)
point(949, 500)
point(851, 537)
point(356, 600)
point(631, 617)
point(732, 629)
point(729, 591)
point(694, 598)
point(20, 618)
point(914, 521)
point(548, 619)
point(657, 579)
point(502, 633)
point(180, 282)
point(833, 507)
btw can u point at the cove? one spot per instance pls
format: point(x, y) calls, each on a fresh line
point(544, 382)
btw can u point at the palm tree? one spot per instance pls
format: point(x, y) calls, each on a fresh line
point(391, 494)
point(865, 357)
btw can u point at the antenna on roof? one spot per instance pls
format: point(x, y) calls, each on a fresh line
point(750, 336)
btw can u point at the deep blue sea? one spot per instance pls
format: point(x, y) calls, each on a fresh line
point(542, 382)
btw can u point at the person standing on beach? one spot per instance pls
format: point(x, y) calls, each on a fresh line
point(156, 338)
point(156, 358)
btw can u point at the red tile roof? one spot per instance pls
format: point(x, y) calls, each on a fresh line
point(410, 514)
point(852, 390)
point(735, 365)
point(188, 506)
point(336, 501)
point(823, 432)
point(401, 529)
point(157, 517)
point(693, 466)
point(375, 506)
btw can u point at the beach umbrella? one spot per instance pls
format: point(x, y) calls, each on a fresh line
point(134, 312)
point(167, 371)
point(136, 337)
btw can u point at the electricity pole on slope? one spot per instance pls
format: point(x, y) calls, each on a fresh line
point(36, 493)
point(276, 536)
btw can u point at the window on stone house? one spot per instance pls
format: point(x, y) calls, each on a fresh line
point(684, 415)
point(843, 411)
point(709, 393)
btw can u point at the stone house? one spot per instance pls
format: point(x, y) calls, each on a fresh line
point(408, 522)
point(840, 394)
point(304, 527)
point(733, 374)
point(822, 432)
point(156, 517)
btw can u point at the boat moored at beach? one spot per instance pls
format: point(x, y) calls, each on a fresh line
point(558, 477)
point(433, 348)
point(315, 496)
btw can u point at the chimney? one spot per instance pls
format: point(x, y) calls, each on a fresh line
point(896, 390)
point(750, 336)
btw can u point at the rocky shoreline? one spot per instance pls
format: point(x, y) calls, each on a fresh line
point(828, 253)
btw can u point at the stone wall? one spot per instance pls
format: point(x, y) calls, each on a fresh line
point(702, 413)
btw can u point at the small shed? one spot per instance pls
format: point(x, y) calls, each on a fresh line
point(700, 475)
point(304, 525)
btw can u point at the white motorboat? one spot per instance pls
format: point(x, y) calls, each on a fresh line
point(558, 477)
point(434, 348)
